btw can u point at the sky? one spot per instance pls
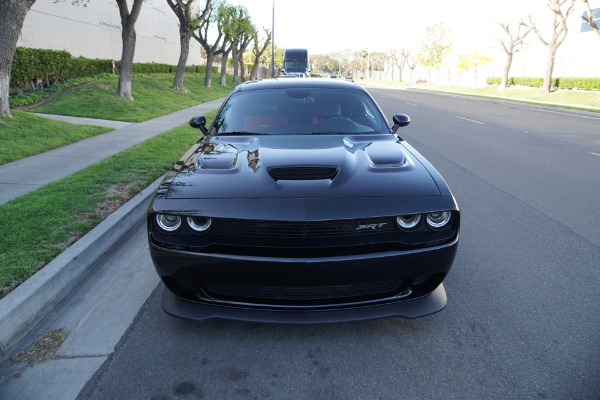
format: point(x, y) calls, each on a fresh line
point(327, 26)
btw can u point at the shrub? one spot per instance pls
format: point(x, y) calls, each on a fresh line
point(560, 83)
point(53, 66)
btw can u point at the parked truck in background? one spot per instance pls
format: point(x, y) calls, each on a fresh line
point(295, 62)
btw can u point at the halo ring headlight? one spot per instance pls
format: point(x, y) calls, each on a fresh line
point(199, 224)
point(438, 219)
point(168, 222)
point(408, 222)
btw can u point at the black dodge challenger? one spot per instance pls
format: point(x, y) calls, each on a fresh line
point(300, 204)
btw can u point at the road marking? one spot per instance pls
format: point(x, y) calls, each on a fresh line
point(595, 154)
point(471, 120)
point(564, 112)
point(411, 104)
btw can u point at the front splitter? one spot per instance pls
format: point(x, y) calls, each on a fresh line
point(417, 308)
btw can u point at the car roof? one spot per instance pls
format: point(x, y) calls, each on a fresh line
point(313, 83)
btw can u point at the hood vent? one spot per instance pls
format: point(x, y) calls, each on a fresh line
point(303, 173)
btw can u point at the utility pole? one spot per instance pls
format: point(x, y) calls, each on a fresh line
point(273, 42)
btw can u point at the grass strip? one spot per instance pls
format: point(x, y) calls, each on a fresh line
point(585, 100)
point(25, 135)
point(40, 225)
point(153, 96)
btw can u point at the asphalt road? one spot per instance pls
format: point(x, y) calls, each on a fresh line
point(522, 320)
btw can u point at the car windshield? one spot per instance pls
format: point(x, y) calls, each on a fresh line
point(299, 111)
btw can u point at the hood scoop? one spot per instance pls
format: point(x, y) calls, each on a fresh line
point(303, 173)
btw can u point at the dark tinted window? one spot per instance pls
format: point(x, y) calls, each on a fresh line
point(300, 111)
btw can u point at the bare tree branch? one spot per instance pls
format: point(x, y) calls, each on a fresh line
point(590, 18)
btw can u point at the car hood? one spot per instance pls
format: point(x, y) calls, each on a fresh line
point(301, 166)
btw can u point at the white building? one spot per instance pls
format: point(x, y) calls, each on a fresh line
point(94, 31)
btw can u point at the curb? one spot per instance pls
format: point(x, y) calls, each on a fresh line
point(23, 308)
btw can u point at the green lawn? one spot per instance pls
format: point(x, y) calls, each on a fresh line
point(25, 135)
point(152, 97)
point(38, 226)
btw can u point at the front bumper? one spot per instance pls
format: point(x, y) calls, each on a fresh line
point(304, 290)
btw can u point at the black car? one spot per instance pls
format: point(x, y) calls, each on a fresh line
point(300, 204)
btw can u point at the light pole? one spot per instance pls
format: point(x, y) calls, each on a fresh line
point(273, 42)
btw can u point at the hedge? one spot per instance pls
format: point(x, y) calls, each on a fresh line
point(54, 66)
point(560, 83)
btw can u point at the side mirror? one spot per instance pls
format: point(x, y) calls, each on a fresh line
point(400, 120)
point(199, 123)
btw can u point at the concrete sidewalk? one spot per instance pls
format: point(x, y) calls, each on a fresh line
point(28, 174)
point(23, 308)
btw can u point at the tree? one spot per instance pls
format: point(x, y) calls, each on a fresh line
point(245, 41)
point(128, 35)
point(558, 34)
point(258, 52)
point(12, 16)
point(214, 17)
point(512, 43)
point(589, 18)
point(377, 62)
point(391, 58)
point(227, 22)
point(397, 59)
point(472, 61)
point(318, 61)
point(235, 21)
point(402, 61)
point(278, 58)
point(435, 47)
point(188, 23)
point(412, 61)
point(360, 62)
point(243, 29)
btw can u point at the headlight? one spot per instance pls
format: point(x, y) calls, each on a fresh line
point(199, 224)
point(438, 219)
point(408, 222)
point(168, 223)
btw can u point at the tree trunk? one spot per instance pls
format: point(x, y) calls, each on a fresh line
point(507, 65)
point(234, 56)
point(254, 75)
point(126, 71)
point(128, 37)
point(12, 15)
point(242, 68)
point(224, 68)
point(183, 56)
point(209, 62)
point(549, 68)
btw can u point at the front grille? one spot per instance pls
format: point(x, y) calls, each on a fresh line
point(305, 229)
point(304, 295)
point(303, 173)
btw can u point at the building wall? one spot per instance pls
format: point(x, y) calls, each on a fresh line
point(94, 31)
